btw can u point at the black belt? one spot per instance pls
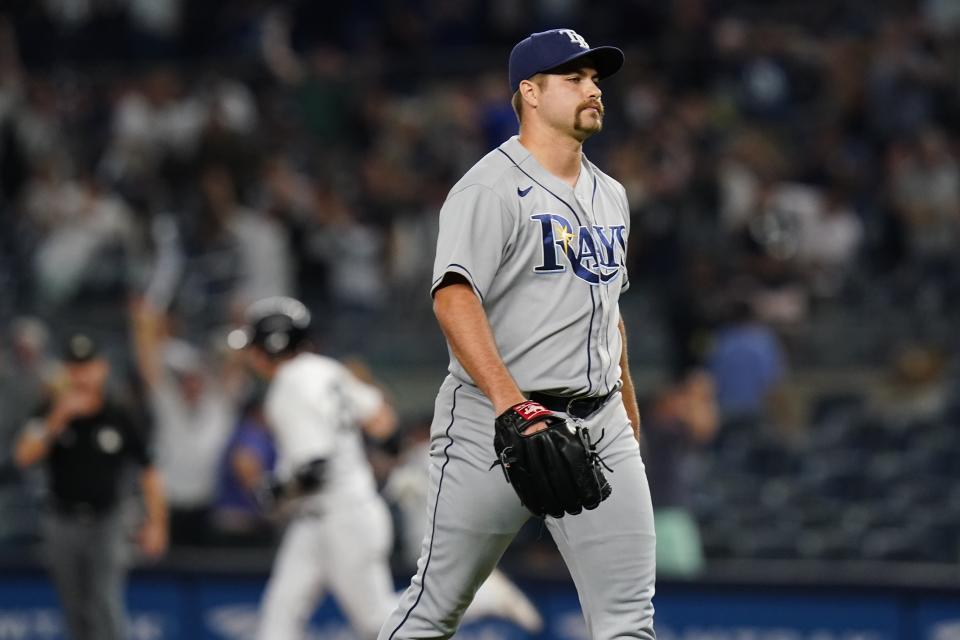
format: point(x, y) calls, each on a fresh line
point(576, 406)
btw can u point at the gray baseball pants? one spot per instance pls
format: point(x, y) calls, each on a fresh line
point(473, 515)
point(87, 561)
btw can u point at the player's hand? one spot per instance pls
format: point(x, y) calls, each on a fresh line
point(153, 539)
point(552, 464)
point(535, 427)
point(69, 405)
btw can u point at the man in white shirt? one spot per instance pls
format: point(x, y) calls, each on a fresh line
point(194, 410)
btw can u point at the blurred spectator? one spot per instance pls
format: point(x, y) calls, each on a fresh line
point(747, 362)
point(227, 137)
point(264, 249)
point(903, 79)
point(249, 457)
point(216, 258)
point(830, 237)
point(681, 420)
point(695, 307)
point(925, 193)
point(154, 121)
point(750, 160)
point(354, 253)
point(767, 248)
point(497, 119)
point(942, 17)
point(87, 246)
point(327, 97)
point(193, 404)
point(412, 241)
point(86, 438)
point(917, 388)
point(291, 196)
point(38, 120)
point(26, 370)
point(154, 24)
point(819, 234)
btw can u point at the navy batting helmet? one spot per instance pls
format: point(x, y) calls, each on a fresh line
point(278, 325)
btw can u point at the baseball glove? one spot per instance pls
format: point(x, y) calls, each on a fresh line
point(554, 471)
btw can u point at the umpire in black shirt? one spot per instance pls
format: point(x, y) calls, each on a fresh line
point(86, 441)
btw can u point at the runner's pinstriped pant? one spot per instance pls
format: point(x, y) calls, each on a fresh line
point(474, 514)
point(344, 552)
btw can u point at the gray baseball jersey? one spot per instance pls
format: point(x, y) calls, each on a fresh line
point(547, 262)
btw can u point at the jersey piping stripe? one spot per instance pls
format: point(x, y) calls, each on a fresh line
point(433, 531)
point(466, 272)
point(574, 212)
point(593, 198)
point(593, 312)
point(593, 213)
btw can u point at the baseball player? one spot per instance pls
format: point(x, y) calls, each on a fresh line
point(527, 276)
point(340, 535)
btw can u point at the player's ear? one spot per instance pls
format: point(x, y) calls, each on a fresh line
point(530, 92)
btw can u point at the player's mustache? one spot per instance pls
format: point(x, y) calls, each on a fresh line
point(591, 104)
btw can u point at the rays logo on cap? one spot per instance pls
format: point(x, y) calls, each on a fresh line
point(575, 38)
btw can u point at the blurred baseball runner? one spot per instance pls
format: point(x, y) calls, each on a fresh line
point(527, 277)
point(340, 535)
point(339, 538)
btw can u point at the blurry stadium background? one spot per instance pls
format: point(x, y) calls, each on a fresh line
point(792, 171)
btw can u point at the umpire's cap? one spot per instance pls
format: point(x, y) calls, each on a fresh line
point(79, 348)
point(278, 325)
point(546, 50)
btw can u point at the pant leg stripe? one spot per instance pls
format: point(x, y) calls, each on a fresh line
point(426, 566)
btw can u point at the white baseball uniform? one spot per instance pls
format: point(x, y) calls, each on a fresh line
point(340, 537)
point(547, 263)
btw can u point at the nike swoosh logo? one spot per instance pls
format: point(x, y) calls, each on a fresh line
point(523, 192)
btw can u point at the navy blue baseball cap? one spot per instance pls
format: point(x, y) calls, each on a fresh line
point(547, 50)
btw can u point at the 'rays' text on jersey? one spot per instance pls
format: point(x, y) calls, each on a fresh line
point(595, 253)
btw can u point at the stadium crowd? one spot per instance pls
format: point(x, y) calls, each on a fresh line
point(791, 168)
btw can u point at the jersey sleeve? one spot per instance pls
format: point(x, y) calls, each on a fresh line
point(475, 228)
